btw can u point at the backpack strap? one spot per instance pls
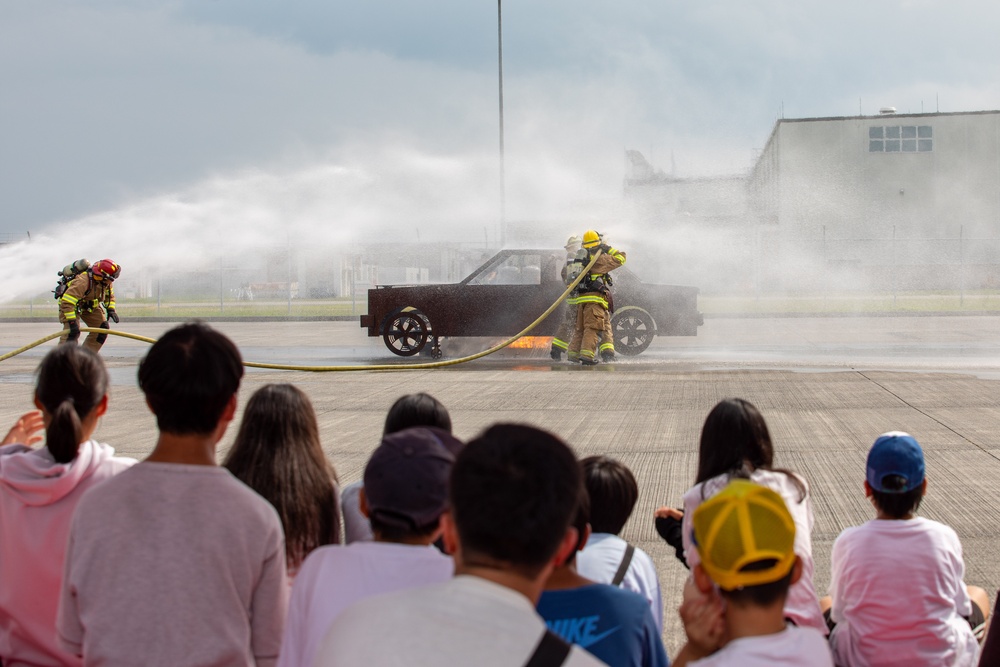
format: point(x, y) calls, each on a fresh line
point(623, 566)
point(550, 652)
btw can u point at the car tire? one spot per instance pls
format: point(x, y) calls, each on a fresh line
point(406, 333)
point(633, 330)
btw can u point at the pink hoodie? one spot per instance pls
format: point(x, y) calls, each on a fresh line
point(37, 499)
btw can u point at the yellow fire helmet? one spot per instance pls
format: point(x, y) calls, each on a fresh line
point(591, 239)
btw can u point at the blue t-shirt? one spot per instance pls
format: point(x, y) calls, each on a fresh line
point(614, 625)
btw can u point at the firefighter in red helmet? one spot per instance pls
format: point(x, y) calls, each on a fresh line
point(83, 299)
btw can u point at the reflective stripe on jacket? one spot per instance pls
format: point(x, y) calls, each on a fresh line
point(592, 297)
point(84, 293)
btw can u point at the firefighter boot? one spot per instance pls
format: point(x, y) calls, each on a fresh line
point(608, 356)
point(555, 353)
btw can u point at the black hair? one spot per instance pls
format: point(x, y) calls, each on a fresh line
point(761, 595)
point(394, 532)
point(735, 441)
point(900, 503)
point(71, 382)
point(189, 376)
point(513, 492)
point(613, 493)
point(581, 519)
point(416, 410)
point(277, 453)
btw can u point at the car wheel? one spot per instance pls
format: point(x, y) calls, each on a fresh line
point(633, 330)
point(406, 333)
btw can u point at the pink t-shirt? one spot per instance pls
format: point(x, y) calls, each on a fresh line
point(335, 577)
point(802, 604)
point(899, 597)
point(37, 499)
point(171, 564)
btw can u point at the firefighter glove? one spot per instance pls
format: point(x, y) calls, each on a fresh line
point(112, 315)
point(74, 330)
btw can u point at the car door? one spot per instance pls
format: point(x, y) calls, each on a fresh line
point(505, 294)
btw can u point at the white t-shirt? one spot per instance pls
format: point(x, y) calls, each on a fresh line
point(357, 528)
point(899, 597)
point(792, 646)
point(600, 559)
point(332, 578)
point(170, 564)
point(465, 621)
point(802, 605)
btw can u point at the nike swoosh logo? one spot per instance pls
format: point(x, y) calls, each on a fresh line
point(593, 639)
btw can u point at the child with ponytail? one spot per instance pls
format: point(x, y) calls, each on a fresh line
point(39, 489)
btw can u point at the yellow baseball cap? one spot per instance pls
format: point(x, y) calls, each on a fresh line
point(743, 524)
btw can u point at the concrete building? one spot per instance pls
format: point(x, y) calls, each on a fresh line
point(892, 201)
point(910, 201)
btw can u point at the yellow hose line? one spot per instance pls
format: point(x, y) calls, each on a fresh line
point(329, 369)
point(14, 353)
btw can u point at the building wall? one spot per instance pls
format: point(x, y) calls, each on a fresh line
point(821, 192)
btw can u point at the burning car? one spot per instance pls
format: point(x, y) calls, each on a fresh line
point(510, 291)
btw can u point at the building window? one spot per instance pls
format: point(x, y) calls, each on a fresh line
point(900, 139)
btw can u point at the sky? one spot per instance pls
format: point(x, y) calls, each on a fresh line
point(132, 124)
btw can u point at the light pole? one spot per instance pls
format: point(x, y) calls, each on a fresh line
point(503, 187)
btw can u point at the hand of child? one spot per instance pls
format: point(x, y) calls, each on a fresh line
point(668, 513)
point(704, 621)
point(668, 524)
point(26, 429)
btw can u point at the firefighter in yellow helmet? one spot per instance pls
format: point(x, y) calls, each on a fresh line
point(560, 343)
point(593, 295)
point(83, 299)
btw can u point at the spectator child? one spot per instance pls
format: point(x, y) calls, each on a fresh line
point(613, 493)
point(745, 536)
point(736, 443)
point(417, 410)
point(39, 489)
point(896, 585)
point(513, 492)
point(25, 430)
point(614, 625)
point(175, 561)
point(408, 411)
point(277, 453)
point(405, 493)
point(989, 656)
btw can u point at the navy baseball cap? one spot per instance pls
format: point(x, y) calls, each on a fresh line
point(406, 479)
point(895, 453)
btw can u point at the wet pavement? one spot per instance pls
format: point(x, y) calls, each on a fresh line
point(827, 387)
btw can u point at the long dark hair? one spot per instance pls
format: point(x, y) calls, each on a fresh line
point(735, 442)
point(278, 454)
point(71, 382)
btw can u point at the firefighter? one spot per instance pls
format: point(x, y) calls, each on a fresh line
point(84, 296)
point(569, 273)
point(593, 295)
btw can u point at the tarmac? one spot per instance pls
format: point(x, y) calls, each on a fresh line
point(827, 386)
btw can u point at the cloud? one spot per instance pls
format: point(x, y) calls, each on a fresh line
point(124, 102)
